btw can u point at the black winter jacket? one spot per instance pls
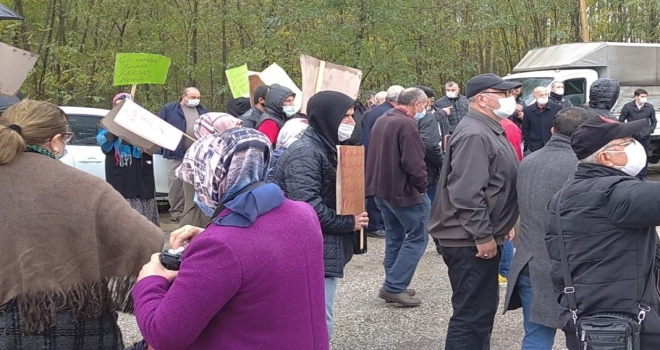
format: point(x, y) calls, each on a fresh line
point(559, 99)
point(608, 221)
point(630, 113)
point(603, 95)
point(307, 172)
point(429, 130)
point(459, 108)
point(251, 118)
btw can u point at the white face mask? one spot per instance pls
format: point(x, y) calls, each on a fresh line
point(507, 106)
point(452, 94)
point(636, 159)
point(192, 103)
point(642, 100)
point(289, 110)
point(560, 92)
point(345, 131)
point(542, 100)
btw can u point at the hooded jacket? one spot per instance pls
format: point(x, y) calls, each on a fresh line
point(307, 172)
point(603, 95)
point(274, 100)
point(238, 106)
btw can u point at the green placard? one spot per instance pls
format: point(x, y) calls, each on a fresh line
point(238, 81)
point(140, 68)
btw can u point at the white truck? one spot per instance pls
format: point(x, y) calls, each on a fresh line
point(578, 65)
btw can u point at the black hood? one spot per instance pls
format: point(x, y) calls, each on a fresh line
point(603, 93)
point(238, 106)
point(276, 96)
point(326, 110)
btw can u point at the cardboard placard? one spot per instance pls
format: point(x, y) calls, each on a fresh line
point(238, 81)
point(255, 82)
point(141, 128)
point(350, 180)
point(15, 65)
point(274, 74)
point(319, 75)
point(140, 68)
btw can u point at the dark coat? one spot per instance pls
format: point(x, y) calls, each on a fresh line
point(273, 105)
point(560, 100)
point(172, 113)
point(307, 172)
point(251, 117)
point(603, 95)
point(429, 130)
point(537, 123)
point(133, 181)
point(630, 113)
point(540, 176)
point(459, 108)
point(369, 121)
point(608, 221)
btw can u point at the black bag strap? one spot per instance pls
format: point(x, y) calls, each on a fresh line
point(221, 207)
point(569, 289)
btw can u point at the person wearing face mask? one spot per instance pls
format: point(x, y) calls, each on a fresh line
point(557, 94)
point(182, 115)
point(538, 119)
point(638, 109)
point(453, 106)
point(251, 117)
point(608, 219)
point(476, 209)
point(307, 172)
point(279, 109)
point(396, 178)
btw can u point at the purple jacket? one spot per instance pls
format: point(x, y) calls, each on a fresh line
point(259, 287)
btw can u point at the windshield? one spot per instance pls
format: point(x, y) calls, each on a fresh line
point(528, 86)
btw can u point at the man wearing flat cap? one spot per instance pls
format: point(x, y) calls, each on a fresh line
point(608, 219)
point(476, 208)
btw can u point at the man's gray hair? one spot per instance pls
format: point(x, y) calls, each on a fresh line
point(393, 93)
point(593, 158)
point(451, 83)
point(409, 96)
point(381, 95)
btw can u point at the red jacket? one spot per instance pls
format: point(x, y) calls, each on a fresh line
point(514, 135)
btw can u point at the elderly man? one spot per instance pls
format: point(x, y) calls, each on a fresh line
point(557, 94)
point(396, 177)
point(369, 97)
point(380, 98)
point(538, 119)
point(540, 176)
point(452, 106)
point(182, 115)
point(607, 220)
point(475, 209)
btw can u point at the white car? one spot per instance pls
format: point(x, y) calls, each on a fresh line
point(85, 154)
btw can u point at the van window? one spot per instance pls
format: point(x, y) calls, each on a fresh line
point(575, 91)
point(85, 128)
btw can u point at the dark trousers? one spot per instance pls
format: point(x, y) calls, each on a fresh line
point(474, 298)
point(646, 143)
point(375, 217)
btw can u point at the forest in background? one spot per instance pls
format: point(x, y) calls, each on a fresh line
point(393, 42)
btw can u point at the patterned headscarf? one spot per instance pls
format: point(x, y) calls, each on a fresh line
point(220, 165)
point(291, 131)
point(121, 96)
point(214, 123)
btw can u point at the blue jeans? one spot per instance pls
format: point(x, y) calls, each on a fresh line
point(430, 191)
point(537, 337)
point(405, 241)
point(507, 256)
point(375, 218)
point(330, 291)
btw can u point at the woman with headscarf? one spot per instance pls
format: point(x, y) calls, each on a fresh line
point(72, 247)
point(207, 124)
point(291, 132)
point(129, 170)
point(253, 279)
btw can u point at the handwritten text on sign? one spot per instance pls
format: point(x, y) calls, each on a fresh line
point(350, 180)
point(238, 81)
point(148, 126)
point(140, 68)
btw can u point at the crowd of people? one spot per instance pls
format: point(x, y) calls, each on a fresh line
point(255, 198)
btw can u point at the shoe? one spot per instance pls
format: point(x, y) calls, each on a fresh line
point(376, 234)
point(410, 292)
point(502, 280)
point(404, 299)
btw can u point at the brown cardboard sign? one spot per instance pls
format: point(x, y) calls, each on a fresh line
point(350, 180)
point(15, 65)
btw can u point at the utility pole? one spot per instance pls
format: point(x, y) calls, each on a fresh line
point(584, 21)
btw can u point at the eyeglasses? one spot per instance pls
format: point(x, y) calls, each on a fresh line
point(67, 136)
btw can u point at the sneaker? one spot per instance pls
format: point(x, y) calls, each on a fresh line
point(502, 280)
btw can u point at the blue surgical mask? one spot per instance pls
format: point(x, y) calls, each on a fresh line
point(420, 115)
point(208, 211)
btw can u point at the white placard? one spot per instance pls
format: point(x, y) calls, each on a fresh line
point(148, 126)
point(275, 74)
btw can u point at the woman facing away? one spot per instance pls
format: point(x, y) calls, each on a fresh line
point(72, 247)
point(291, 132)
point(129, 170)
point(254, 278)
point(207, 124)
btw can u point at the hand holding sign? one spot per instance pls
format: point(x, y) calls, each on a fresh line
point(350, 186)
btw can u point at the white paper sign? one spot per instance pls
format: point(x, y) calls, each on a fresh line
point(15, 65)
point(274, 74)
point(148, 126)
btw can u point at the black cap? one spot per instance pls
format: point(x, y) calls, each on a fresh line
point(596, 132)
point(487, 81)
point(427, 90)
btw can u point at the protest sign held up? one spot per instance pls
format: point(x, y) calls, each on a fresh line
point(351, 183)
point(15, 65)
point(239, 82)
point(140, 68)
point(319, 75)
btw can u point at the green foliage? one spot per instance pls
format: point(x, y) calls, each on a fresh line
point(392, 42)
